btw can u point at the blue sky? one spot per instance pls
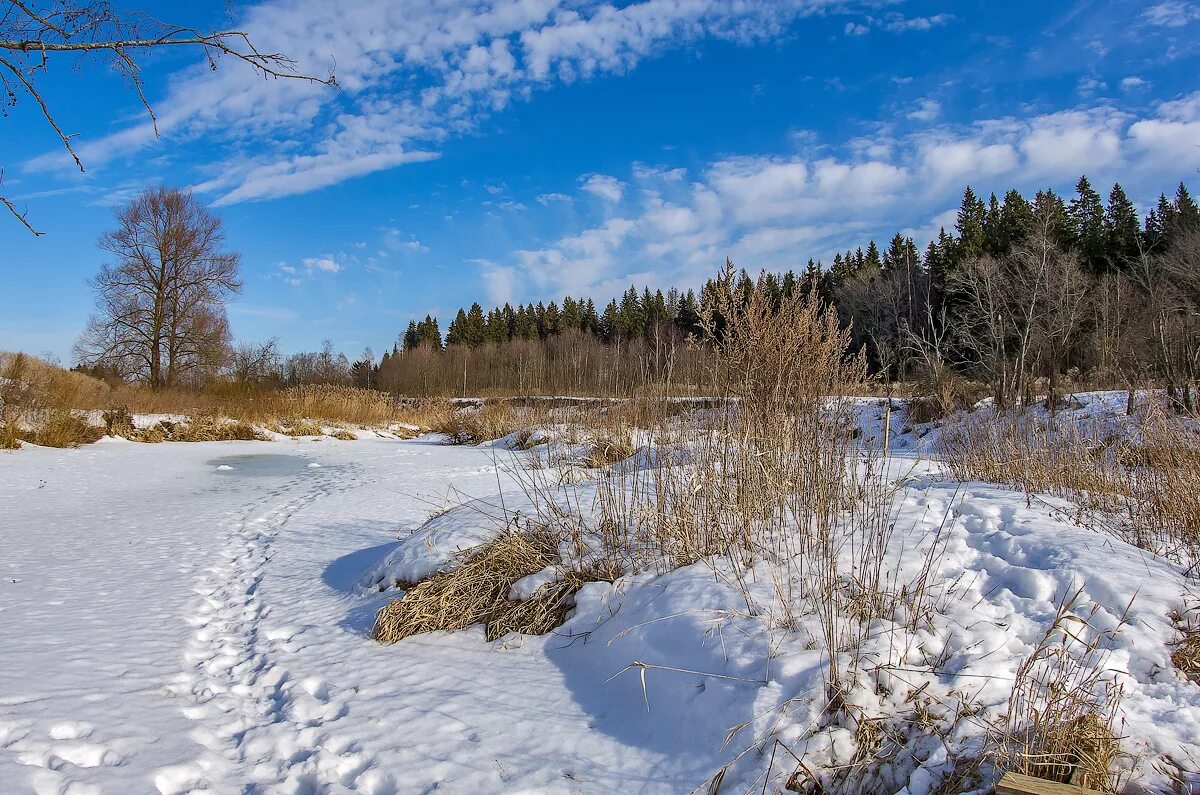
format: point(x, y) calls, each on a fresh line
point(516, 150)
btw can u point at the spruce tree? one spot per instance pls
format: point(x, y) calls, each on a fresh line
point(1121, 230)
point(1085, 216)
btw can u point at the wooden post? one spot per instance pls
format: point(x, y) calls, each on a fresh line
point(887, 427)
point(1017, 784)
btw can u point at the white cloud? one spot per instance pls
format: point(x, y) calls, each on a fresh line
point(777, 211)
point(927, 110)
point(397, 240)
point(900, 24)
point(411, 76)
point(326, 263)
point(856, 29)
point(550, 198)
point(1172, 14)
point(608, 188)
point(1134, 82)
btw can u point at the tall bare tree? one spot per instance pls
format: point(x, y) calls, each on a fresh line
point(161, 305)
point(33, 33)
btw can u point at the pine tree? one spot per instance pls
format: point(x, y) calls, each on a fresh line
point(475, 331)
point(571, 316)
point(553, 320)
point(1085, 216)
point(969, 223)
point(456, 334)
point(1187, 215)
point(1121, 231)
point(687, 314)
point(609, 325)
point(411, 336)
point(995, 240)
point(590, 318)
point(1016, 221)
point(871, 262)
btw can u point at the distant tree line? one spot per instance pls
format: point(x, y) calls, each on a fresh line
point(1020, 294)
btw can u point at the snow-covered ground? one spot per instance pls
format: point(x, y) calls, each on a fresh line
point(183, 617)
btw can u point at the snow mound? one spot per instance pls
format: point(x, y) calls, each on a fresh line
point(435, 546)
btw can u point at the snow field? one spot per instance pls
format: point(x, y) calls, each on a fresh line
point(191, 617)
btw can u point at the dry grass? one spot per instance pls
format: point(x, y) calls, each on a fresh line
point(61, 429)
point(1062, 711)
point(343, 435)
point(475, 425)
point(936, 399)
point(548, 607)
point(1031, 452)
point(1185, 654)
point(469, 594)
point(299, 426)
point(199, 429)
point(34, 393)
point(1146, 492)
point(476, 592)
point(609, 448)
point(37, 402)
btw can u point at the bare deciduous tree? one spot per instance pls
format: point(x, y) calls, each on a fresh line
point(161, 305)
point(255, 363)
point(31, 34)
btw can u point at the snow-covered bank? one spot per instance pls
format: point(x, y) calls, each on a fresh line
point(186, 616)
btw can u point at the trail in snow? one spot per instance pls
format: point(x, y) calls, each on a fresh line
point(170, 624)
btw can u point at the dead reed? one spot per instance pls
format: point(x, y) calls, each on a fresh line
point(471, 593)
point(1062, 713)
point(1143, 486)
point(198, 429)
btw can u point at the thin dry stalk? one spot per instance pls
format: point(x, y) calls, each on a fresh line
point(1063, 711)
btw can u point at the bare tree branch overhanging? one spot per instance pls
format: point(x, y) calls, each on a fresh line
point(30, 34)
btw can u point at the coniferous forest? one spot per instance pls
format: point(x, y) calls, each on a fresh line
point(1023, 294)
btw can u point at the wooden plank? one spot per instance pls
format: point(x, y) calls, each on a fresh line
point(1017, 784)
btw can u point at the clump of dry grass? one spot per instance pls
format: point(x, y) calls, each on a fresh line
point(37, 401)
point(9, 440)
point(609, 448)
point(344, 435)
point(547, 608)
point(62, 429)
point(1033, 453)
point(492, 420)
point(118, 422)
point(299, 426)
point(1062, 712)
point(1146, 491)
point(937, 398)
point(199, 429)
point(469, 594)
point(1185, 654)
